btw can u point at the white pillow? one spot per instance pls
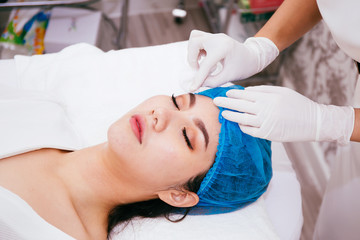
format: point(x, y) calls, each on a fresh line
point(251, 222)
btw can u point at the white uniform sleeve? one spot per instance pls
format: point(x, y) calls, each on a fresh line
point(343, 18)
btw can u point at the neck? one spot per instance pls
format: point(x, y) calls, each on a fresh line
point(94, 187)
point(85, 186)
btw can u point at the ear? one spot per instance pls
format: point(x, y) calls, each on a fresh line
point(179, 198)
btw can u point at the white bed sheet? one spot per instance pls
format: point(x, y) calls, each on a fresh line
point(283, 197)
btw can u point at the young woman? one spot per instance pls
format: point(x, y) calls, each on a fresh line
point(157, 154)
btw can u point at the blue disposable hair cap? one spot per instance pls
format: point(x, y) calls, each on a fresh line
point(242, 168)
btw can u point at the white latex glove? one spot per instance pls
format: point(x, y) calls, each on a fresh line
point(238, 60)
point(281, 114)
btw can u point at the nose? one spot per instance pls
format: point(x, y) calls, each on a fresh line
point(161, 117)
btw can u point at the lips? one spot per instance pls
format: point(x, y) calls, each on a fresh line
point(138, 126)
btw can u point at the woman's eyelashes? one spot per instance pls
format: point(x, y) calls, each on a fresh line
point(186, 138)
point(174, 101)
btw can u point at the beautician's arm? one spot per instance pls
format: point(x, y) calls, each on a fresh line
point(291, 20)
point(242, 60)
point(355, 137)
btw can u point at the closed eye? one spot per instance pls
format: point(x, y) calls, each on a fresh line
point(174, 101)
point(187, 139)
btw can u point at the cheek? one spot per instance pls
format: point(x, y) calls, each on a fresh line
point(117, 139)
point(176, 167)
point(169, 165)
point(164, 157)
point(155, 169)
point(174, 156)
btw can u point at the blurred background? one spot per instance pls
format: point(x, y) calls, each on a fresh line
point(313, 66)
point(144, 22)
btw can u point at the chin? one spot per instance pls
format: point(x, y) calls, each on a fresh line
point(118, 137)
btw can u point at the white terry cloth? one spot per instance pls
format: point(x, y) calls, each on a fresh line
point(19, 221)
point(32, 120)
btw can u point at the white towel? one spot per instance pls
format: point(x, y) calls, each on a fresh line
point(32, 120)
point(18, 221)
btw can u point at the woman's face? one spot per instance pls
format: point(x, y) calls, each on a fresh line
point(165, 141)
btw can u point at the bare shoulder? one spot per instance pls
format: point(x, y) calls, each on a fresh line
point(31, 177)
point(20, 171)
point(18, 166)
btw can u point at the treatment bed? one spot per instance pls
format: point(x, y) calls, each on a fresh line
point(94, 89)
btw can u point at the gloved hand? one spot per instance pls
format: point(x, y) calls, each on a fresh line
point(239, 60)
point(281, 114)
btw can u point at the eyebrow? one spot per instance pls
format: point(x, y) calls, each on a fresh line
point(192, 99)
point(198, 122)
